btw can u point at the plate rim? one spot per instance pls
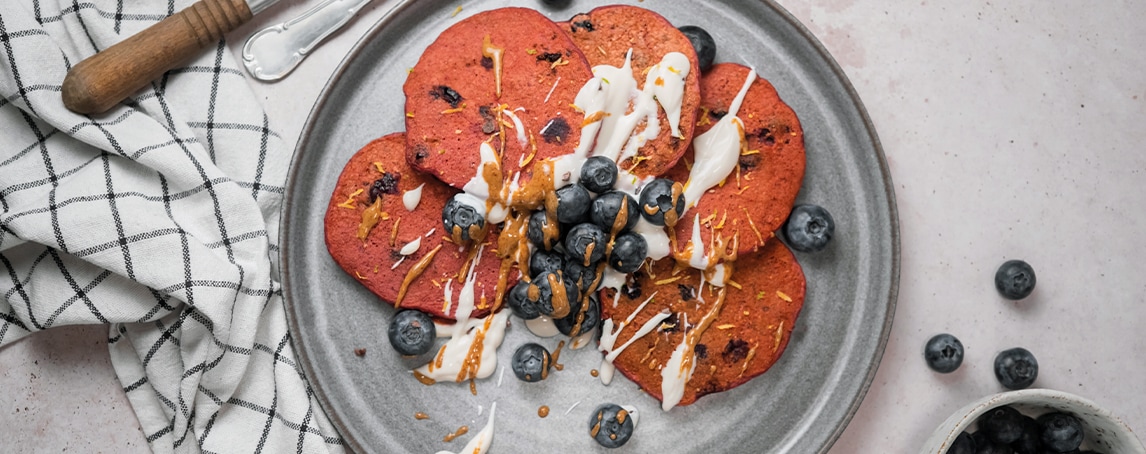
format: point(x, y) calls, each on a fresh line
point(308, 130)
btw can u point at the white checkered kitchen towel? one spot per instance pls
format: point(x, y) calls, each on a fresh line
point(159, 218)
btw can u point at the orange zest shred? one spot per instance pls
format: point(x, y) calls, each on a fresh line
point(349, 203)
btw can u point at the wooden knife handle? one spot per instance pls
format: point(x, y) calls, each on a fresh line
point(101, 81)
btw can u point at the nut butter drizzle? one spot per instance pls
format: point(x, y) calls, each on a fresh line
point(414, 272)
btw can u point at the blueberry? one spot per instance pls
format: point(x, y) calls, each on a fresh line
point(585, 243)
point(599, 174)
point(556, 3)
point(581, 275)
point(963, 444)
point(546, 261)
point(591, 319)
point(572, 203)
point(656, 197)
point(1001, 424)
point(1015, 279)
point(547, 301)
point(461, 218)
point(703, 43)
point(944, 353)
point(519, 302)
point(629, 252)
point(809, 228)
point(411, 332)
point(531, 362)
point(538, 221)
point(1060, 432)
point(611, 425)
point(990, 447)
point(1028, 442)
point(607, 208)
point(1016, 368)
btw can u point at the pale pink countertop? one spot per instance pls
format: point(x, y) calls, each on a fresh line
point(1012, 129)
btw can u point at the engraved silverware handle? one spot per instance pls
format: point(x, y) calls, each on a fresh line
point(273, 52)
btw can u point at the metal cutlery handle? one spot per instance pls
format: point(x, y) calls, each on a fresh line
point(273, 52)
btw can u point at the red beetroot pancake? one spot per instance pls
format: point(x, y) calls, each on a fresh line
point(452, 102)
point(747, 336)
point(606, 34)
point(757, 197)
point(381, 164)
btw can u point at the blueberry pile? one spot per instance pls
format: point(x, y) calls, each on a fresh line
point(1005, 430)
point(593, 229)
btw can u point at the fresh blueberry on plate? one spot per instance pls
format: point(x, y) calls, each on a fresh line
point(585, 244)
point(547, 295)
point(1016, 368)
point(611, 425)
point(411, 332)
point(572, 203)
point(460, 218)
point(656, 200)
point(809, 228)
point(519, 302)
point(536, 230)
point(583, 276)
point(598, 174)
point(530, 362)
point(592, 317)
point(944, 353)
point(703, 43)
point(1015, 279)
point(607, 208)
point(546, 261)
point(629, 252)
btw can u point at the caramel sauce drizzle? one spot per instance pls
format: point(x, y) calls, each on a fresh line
point(414, 272)
point(543, 411)
point(556, 356)
point(420, 416)
point(693, 336)
point(370, 218)
point(494, 53)
point(424, 379)
point(472, 362)
point(560, 299)
point(457, 433)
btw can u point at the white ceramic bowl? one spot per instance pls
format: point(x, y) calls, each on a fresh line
point(1104, 432)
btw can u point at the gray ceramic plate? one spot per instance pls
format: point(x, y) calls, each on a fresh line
point(800, 405)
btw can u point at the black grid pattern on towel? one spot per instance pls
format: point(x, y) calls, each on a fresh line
point(159, 219)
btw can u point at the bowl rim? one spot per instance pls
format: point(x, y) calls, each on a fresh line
point(946, 433)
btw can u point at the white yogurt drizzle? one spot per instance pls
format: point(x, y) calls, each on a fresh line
point(583, 339)
point(656, 238)
point(521, 139)
point(609, 339)
point(610, 92)
point(718, 150)
point(412, 197)
point(477, 191)
point(633, 413)
point(673, 378)
point(464, 332)
point(481, 441)
point(411, 247)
